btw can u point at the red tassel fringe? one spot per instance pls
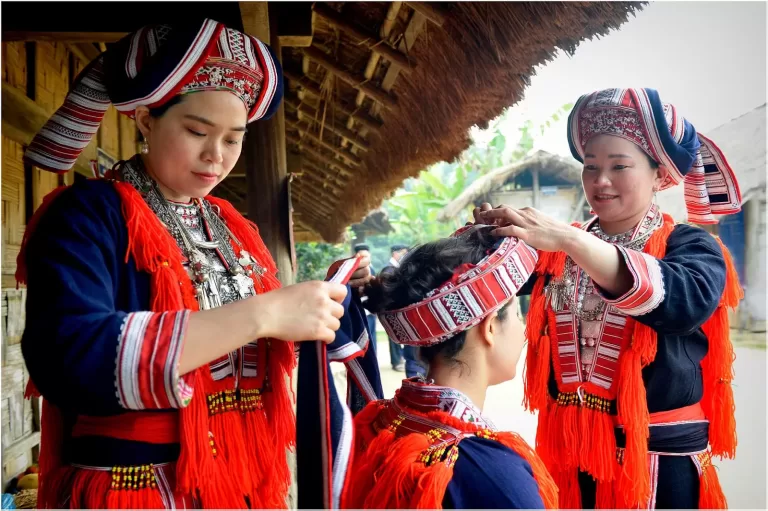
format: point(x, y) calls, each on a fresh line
point(388, 472)
point(250, 459)
point(559, 438)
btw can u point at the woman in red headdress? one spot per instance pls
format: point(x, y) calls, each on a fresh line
point(430, 446)
point(156, 330)
point(630, 363)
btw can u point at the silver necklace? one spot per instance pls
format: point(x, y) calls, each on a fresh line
point(200, 270)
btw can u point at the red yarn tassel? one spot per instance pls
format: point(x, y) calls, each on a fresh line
point(569, 493)
point(711, 494)
point(633, 484)
point(536, 372)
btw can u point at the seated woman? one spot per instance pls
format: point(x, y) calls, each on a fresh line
point(430, 446)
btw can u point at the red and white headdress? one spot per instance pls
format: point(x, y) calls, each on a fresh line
point(148, 68)
point(683, 154)
point(473, 292)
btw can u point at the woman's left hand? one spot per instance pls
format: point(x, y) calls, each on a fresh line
point(362, 275)
point(530, 225)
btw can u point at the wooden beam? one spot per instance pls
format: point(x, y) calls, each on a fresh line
point(86, 52)
point(309, 85)
point(313, 115)
point(320, 156)
point(324, 183)
point(320, 201)
point(255, 16)
point(357, 82)
point(21, 446)
point(295, 22)
point(23, 118)
point(307, 203)
point(304, 131)
point(327, 175)
point(373, 62)
point(361, 34)
point(412, 31)
point(330, 176)
point(64, 37)
point(430, 10)
point(332, 201)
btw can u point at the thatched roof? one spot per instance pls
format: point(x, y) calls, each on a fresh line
point(375, 222)
point(464, 73)
point(383, 91)
point(566, 169)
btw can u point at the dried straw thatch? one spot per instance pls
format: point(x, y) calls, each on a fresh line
point(468, 70)
point(566, 169)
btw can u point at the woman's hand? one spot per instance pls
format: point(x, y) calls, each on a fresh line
point(476, 213)
point(530, 225)
point(362, 275)
point(309, 311)
point(303, 312)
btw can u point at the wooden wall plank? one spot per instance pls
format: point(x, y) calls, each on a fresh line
point(15, 65)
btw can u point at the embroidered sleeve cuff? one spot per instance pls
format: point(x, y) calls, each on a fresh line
point(647, 290)
point(148, 352)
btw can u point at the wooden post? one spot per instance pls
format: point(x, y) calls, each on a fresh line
point(536, 191)
point(266, 174)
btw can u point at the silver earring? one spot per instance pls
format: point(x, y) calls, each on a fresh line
point(145, 147)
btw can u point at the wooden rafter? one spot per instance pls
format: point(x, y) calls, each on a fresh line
point(357, 82)
point(309, 85)
point(22, 119)
point(311, 114)
point(430, 10)
point(328, 174)
point(329, 198)
point(373, 62)
point(306, 131)
point(318, 180)
point(86, 52)
point(319, 155)
point(64, 37)
point(371, 40)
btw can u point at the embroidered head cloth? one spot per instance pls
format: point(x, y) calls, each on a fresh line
point(473, 292)
point(683, 155)
point(148, 68)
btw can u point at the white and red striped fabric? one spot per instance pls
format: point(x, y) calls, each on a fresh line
point(148, 68)
point(466, 299)
point(683, 155)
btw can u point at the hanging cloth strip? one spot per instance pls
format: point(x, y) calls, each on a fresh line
point(324, 436)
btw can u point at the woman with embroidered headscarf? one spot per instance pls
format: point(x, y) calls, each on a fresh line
point(156, 330)
point(629, 361)
point(430, 447)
